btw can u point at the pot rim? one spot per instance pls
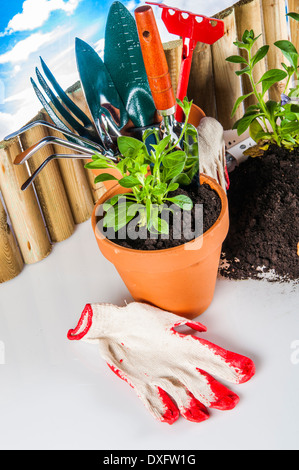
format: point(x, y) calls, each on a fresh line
point(203, 179)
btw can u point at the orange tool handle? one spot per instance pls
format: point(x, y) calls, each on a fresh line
point(154, 60)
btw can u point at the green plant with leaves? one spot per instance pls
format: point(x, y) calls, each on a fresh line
point(150, 175)
point(269, 121)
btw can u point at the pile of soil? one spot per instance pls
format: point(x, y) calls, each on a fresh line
point(263, 206)
point(211, 206)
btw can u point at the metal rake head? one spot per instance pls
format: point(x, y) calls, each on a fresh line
point(62, 110)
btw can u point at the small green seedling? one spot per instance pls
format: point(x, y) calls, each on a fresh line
point(269, 121)
point(150, 176)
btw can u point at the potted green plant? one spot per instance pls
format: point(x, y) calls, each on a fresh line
point(176, 274)
point(269, 121)
point(262, 197)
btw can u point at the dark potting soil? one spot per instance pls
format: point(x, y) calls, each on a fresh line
point(189, 228)
point(263, 208)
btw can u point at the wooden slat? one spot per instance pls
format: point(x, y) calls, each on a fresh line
point(75, 181)
point(173, 54)
point(293, 6)
point(275, 26)
point(227, 84)
point(201, 81)
point(23, 208)
point(11, 262)
point(249, 16)
point(76, 94)
point(50, 188)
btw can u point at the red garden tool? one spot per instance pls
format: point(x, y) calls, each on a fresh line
point(192, 28)
point(158, 75)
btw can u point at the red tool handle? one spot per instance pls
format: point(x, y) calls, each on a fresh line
point(184, 78)
point(154, 59)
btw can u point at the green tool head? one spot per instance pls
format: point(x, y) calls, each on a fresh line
point(124, 61)
point(97, 83)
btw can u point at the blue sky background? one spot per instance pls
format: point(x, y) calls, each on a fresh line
point(47, 28)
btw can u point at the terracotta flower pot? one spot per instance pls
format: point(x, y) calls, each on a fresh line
point(180, 279)
point(195, 116)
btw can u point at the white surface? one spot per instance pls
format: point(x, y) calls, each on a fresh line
point(58, 394)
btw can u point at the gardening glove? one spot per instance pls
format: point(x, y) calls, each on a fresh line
point(169, 371)
point(211, 149)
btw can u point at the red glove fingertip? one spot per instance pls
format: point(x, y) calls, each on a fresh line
point(244, 366)
point(223, 399)
point(83, 325)
point(172, 413)
point(196, 411)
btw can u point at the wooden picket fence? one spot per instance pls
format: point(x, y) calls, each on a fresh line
point(64, 194)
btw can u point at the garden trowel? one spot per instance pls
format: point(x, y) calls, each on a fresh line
point(124, 61)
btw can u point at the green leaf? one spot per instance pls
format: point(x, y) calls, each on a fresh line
point(161, 146)
point(98, 164)
point(271, 77)
point(134, 208)
point(260, 54)
point(159, 189)
point(183, 179)
point(241, 72)
point(151, 131)
point(272, 106)
point(185, 105)
point(294, 92)
point(291, 117)
point(148, 180)
point(173, 187)
point(174, 171)
point(191, 161)
point(290, 70)
point(255, 129)
point(104, 177)
point(248, 39)
point(129, 182)
point(184, 202)
point(289, 51)
point(144, 169)
point(117, 217)
point(293, 15)
point(255, 39)
point(241, 45)
point(289, 142)
point(253, 108)
point(236, 59)
point(289, 127)
point(242, 124)
point(160, 225)
point(113, 200)
point(174, 159)
point(238, 102)
point(129, 147)
point(248, 36)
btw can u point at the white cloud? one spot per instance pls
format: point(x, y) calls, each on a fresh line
point(22, 49)
point(26, 102)
point(11, 122)
point(36, 12)
point(16, 69)
point(25, 96)
point(131, 5)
